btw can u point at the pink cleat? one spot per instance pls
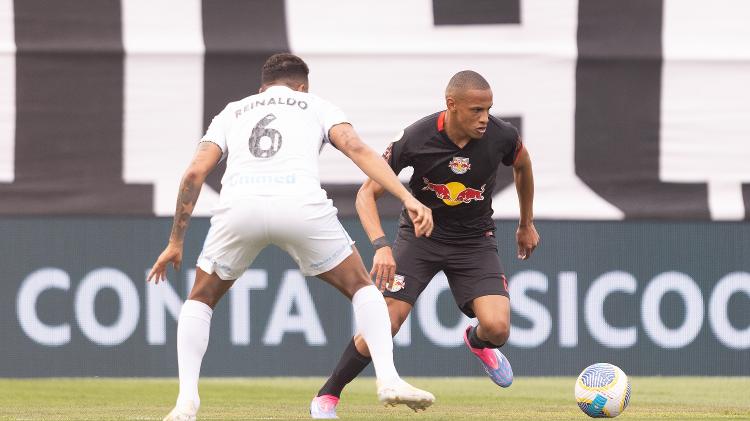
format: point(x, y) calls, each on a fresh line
point(324, 407)
point(493, 361)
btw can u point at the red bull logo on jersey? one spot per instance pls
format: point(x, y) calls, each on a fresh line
point(454, 193)
point(459, 165)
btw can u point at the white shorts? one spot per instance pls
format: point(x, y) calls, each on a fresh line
point(310, 232)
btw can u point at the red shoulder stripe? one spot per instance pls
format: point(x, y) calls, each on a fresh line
point(441, 121)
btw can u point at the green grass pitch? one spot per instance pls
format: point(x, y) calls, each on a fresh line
point(529, 398)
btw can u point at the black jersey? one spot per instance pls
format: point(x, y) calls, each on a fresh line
point(456, 183)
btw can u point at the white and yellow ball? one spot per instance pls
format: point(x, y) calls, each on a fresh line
point(602, 390)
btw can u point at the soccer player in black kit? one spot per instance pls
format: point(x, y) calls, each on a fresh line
point(455, 155)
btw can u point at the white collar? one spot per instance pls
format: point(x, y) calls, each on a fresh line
point(278, 87)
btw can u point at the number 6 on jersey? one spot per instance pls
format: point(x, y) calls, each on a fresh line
point(264, 142)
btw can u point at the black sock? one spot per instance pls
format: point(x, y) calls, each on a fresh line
point(476, 342)
point(350, 365)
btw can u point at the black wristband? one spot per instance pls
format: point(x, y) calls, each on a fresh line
point(380, 243)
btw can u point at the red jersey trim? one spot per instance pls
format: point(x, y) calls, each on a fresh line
point(441, 121)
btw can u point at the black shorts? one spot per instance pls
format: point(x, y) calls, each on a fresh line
point(472, 266)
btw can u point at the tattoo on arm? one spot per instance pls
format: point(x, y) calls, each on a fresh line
point(190, 187)
point(189, 191)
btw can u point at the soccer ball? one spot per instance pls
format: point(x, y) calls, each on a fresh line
point(602, 390)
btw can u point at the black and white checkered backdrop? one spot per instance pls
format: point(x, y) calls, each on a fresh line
point(630, 109)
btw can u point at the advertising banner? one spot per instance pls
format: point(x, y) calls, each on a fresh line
point(653, 298)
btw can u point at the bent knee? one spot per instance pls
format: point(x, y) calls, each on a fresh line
point(395, 326)
point(355, 284)
point(205, 297)
point(497, 332)
point(397, 320)
point(398, 311)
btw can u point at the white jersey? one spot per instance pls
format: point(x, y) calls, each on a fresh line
point(271, 142)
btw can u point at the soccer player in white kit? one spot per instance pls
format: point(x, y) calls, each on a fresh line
point(271, 194)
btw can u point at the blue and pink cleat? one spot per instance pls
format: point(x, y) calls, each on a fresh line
point(324, 407)
point(493, 361)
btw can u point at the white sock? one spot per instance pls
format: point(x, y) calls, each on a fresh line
point(373, 322)
point(192, 340)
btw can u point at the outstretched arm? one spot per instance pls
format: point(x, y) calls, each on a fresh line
point(526, 235)
point(383, 263)
point(204, 161)
point(367, 208)
point(347, 141)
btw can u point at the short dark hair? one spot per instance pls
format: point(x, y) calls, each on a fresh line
point(284, 67)
point(466, 80)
